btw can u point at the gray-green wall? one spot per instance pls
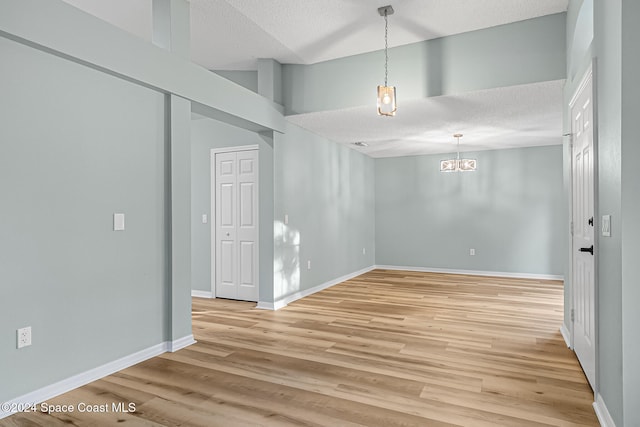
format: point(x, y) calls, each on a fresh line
point(510, 211)
point(630, 205)
point(608, 101)
point(327, 191)
point(76, 146)
point(605, 20)
point(616, 71)
point(207, 134)
point(246, 79)
point(506, 55)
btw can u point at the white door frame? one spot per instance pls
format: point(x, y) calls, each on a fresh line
point(212, 216)
point(589, 73)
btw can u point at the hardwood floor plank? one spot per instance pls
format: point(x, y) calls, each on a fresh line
point(387, 348)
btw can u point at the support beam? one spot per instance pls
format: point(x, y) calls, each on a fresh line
point(171, 32)
point(171, 29)
point(55, 29)
point(270, 79)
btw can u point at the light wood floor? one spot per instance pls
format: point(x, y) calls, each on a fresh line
point(385, 349)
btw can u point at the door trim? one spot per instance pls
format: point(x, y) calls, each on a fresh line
point(212, 214)
point(215, 151)
point(590, 72)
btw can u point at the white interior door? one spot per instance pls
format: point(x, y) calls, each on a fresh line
point(236, 225)
point(583, 283)
point(247, 228)
point(225, 236)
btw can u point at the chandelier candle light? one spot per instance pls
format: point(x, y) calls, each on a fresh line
point(386, 94)
point(458, 164)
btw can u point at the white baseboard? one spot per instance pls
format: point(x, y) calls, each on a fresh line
point(201, 294)
point(566, 335)
point(604, 417)
point(284, 301)
point(263, 305)
point(71, 383)
point(180, 343)
point(474, 272)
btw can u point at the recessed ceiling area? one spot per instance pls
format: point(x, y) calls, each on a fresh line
point(508, 117)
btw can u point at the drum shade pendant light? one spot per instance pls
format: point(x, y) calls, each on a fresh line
point(386, 94)
point(458, 164)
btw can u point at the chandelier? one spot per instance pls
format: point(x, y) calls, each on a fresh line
point(458, 164)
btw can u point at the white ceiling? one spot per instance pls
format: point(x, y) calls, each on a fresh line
point(233, 34)
point(510, 117)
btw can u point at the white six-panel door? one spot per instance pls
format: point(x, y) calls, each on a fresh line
point(583, 284)
point(236, 225)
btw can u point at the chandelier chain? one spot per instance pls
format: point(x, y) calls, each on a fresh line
point(386, 45)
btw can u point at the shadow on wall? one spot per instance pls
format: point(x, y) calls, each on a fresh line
point(286, 268)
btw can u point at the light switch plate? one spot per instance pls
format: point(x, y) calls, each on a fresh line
point(118, 222)
point(606, 225)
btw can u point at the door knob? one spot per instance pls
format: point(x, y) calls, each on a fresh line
point(228, 234)
point(590, 250)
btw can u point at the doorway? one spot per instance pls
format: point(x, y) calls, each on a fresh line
point(234, 233)
point(584, 252)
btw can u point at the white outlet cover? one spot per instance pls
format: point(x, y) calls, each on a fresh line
point(118, 222)
point(24, 337)
point(309, 265)
point(205, 219)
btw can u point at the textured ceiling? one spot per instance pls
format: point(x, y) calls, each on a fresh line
point(509, 117)
point(232, 34)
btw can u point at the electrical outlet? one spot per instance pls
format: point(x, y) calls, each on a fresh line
point(309, 265)
point(472, 252)
point(364, 251)
point(24, 337)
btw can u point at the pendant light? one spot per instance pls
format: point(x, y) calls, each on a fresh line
point(458, 164)
point(386, 94)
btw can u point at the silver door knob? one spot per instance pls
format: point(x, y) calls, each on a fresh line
point(228, 234)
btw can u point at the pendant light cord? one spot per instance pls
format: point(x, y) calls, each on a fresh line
point(386, 45)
